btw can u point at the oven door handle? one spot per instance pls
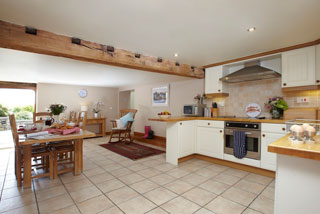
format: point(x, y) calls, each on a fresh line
point(248, 133)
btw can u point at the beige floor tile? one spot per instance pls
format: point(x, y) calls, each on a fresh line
point(44, 183)
point(226, 179)
point(95, 205)
point(164, 167)
point(110, 185)
point(177, 173)
point(144, 186)
point(258, 179)
point(272, 184)
point(29, 209)
point(151, 163)
point(180, 205)
point(52, 192)
point(157, 210)
point(54, 204)
point(190, 167)
point(263, 204)
point(77, 185)
point(214, 187)
point(217, 168)
point(148, 173)
point(249, 186)
point(268, 193)
point(236, 172)
point(199, 196)
point(194, 179)
point(10, 184)
point(68, 210)
point(239, 196)
point(123, 194)
point(204, 211)
point(162, 179)
point(112, 210)
point(101, 178)
point(69, 178)
point(85, 194)
point(251, 211)
point(15, 191)
point(137, 205)
point(160, 196)
point(206, 173)
point(131, 178)
point(200, 162)
point(121, 172)
point(16, 202)
point(221, 205)
point(112, 166)
point(93, 172)
point(179, 186)
point(137, 167)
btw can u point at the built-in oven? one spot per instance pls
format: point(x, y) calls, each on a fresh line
point(253, 137)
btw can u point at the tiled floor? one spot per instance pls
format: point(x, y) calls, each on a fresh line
point(113, 184)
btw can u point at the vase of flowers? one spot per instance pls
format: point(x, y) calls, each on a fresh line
point(56, 110)
point(200, 98)
point(97, 108)
point(276, 106)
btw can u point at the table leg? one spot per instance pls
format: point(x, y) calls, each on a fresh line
point(103, 128)
point(77, 156)
point(81, 157)
point(27, 149)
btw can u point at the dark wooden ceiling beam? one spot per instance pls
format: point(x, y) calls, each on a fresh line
point(14, 36)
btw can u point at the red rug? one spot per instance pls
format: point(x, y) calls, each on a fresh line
point(132, 151)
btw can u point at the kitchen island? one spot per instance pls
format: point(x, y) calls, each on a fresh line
point(297, 187)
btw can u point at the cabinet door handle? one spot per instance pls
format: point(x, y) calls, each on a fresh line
point(284, 84)
point(208, 124)
point(283, 129)
point(318, 81)
point(219, 90)
point(263, 135)
point(220, 131)
point(180, 124)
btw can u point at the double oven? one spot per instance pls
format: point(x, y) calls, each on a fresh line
point(253, 138)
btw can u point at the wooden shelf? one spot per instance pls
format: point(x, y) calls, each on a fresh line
point(214, 95)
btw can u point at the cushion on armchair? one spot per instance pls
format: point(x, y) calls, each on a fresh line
point(126, 118)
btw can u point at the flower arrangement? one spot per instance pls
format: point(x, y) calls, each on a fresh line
point(97, 107)
point(276, 106)
point(57, 109)
point(200, 97)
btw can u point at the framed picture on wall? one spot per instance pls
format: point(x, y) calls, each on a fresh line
point(160, 96)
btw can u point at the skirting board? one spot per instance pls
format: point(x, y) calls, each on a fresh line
point(157, 140)
point(230, 164)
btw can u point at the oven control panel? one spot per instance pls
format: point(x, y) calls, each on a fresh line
point(255, 126)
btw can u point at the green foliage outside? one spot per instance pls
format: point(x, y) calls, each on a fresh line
point(21, 113)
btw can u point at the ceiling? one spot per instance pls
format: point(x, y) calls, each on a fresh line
point(202, 32)
point(19, 66)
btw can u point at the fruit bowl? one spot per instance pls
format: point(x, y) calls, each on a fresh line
point(164, 116)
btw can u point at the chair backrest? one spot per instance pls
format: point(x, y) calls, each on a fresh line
point(42, 116)
point(126, 111)
point(73, 116)
point(14, 130)
point(82, 120)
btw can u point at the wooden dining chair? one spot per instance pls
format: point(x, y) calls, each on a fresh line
point(36, 152)
point(40, 117)
point(64, 151)
point(122, 134)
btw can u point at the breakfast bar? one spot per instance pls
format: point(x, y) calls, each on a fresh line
point(297, 176)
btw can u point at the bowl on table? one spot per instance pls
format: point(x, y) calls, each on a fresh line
point(164, 116)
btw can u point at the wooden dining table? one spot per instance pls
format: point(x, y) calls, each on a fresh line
point(27, 143)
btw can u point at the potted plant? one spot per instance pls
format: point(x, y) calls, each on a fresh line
point(56, 110)
point(276, 106)
point(200, 98)
point(97, 109)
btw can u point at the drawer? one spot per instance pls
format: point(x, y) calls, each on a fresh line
point(211, 123)
point(274, 128)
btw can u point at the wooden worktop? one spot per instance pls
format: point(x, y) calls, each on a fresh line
point(177, 119)
point(283, 146)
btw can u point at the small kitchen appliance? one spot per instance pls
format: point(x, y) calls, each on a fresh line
point(195, 110)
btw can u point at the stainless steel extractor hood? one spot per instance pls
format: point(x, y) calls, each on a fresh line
point(251, 71)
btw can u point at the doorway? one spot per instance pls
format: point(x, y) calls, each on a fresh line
point(126, 99)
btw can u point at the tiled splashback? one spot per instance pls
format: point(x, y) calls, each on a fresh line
point(241, 94)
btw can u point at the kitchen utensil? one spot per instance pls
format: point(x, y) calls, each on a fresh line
point(28, 126)
point(253, 110)
point(49, 121)
point(214, 112)
point(207, 112)
point(214, 105)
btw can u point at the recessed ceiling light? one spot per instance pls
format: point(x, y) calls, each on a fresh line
point(251, 29)
point(176, 55)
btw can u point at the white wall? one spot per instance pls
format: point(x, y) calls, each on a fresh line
point(181, 93)
point(68, 94)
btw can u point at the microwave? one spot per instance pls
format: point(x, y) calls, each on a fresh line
point(195, 110)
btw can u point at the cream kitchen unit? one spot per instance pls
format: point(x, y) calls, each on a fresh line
point(206, 137)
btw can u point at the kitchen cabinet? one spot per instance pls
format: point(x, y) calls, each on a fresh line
point(318, 64)
point(212, 81)
point(210, 141)
point(186, 138)
point(298, 67)
point(269, 134)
